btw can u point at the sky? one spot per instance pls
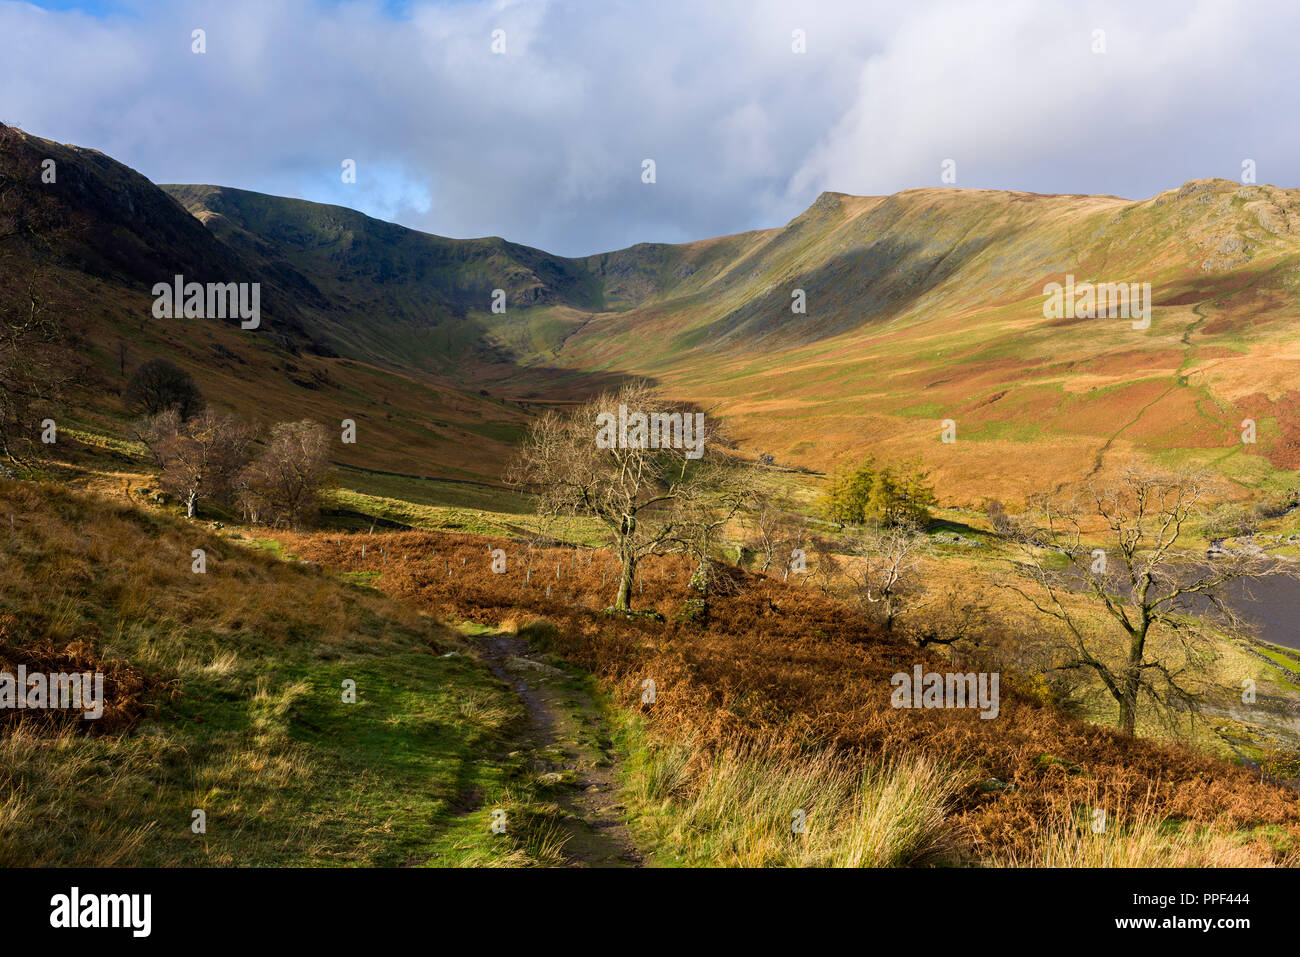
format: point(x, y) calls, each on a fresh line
point(748, 108)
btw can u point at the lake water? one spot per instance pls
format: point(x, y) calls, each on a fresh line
point(1273, 606)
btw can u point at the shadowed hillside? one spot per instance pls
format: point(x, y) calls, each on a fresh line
point(375, 288)
point(132, 235)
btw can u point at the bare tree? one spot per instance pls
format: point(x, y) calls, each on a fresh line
point(638, 485)
point(827, 572)
point(953, 613)
point(775, 529)
point(1137, 612)
point(200, 457)
point(886, 580)
point(707, 506)
point(892, 583)
point(156, 433)
point(285, 482)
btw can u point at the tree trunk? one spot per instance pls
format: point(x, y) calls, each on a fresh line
point(627, 555)
point(1128, 712)
point(624, 600)
point(189, 506)
point(1128, 702)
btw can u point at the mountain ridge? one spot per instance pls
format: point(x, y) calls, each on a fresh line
point(921, 306)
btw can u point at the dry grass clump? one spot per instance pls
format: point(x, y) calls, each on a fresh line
point(82, 569)
point(1141, 838)
point(128, 693)
point(752, 804)
point(43, 778)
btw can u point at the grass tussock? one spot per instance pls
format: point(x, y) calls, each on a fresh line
point(754, 804)
point(41, 776)
point(1140, 839)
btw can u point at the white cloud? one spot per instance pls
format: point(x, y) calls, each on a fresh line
point(1015, 94)
point(545, 144)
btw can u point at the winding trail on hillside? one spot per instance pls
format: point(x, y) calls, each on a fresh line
point(1096, 467)
point(1180, 382)
point(1190, 350)
point(571, 747)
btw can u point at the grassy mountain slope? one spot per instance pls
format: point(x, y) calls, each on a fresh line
point(128, 235)
point(383, 291)
point(921, 307)
point(928, 305)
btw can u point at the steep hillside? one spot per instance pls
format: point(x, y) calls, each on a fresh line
point(123, 235)
point(921, 307)
point(929, 305)
point(380, 291)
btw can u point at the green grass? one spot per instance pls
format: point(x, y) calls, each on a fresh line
point(430, 491)
point(468, 520)
point(286, 772)
point(737, 807)
point(125, 448)
point(259, 737)
point(1284, 658)
point(426, 517)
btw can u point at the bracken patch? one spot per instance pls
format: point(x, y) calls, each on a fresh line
point(783, 660)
